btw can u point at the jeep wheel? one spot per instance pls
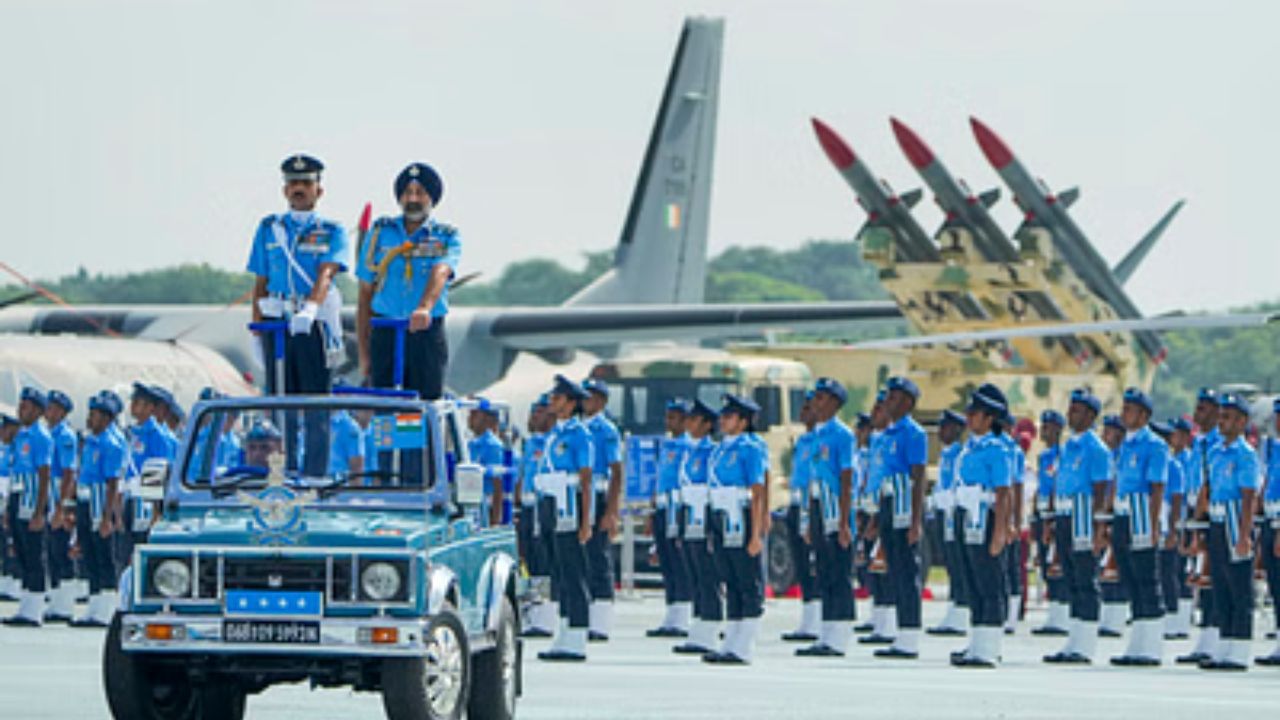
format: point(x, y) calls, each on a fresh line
point(495, 680)
point(432, 687)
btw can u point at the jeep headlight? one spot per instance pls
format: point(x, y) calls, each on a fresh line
point(380, 581)
point(172, 578)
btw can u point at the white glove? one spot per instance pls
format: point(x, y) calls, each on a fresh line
point(300, 323)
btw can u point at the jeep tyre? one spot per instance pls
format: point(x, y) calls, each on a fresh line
point(495, 673)
point(432, 687)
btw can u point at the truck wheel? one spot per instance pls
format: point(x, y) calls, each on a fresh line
point(495, 678)
point(135, 690)
point(782, 561)
point(432, 687)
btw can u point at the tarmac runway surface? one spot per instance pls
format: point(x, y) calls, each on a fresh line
point(54, 673)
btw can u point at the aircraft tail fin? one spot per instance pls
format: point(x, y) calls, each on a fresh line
point(1129, 265)
point(662, 253)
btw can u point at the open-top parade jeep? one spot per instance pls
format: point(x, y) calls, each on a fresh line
point(285, 560)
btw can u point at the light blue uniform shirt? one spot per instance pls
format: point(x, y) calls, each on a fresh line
point(346, 443)
point(1085, 461)
point(877, 462)
point(1271, 463)
point(1047, 465)
point(1176, 484)
point(697, 462)
point(313, 243)
point(947, 465)
point(62, 459)
point(906, 446)
point(1232, 467)
point(984, 463)
point(606, 444)
point(487, 451)
point(737, 463)
point(1143, 461)
point(33, 449)
point(101, 460)
point(802, 467)
point(534, 447)
point(569, 447)
point(1198, 465)
point(833, 453)
point(406, 278)
point(671, 454)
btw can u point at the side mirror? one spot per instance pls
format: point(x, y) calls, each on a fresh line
point(468, 481)
point(152, 481)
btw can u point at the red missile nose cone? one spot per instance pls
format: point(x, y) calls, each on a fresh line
point(834, 146)
point(993, 147)
point(917, 152)
point(366, 216)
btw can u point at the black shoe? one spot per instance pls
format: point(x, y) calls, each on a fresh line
point(716, 658)
point(1268, 660)
point(1223, 665)
point(1194, 658)
point(1271, 635)
point(1048, 631)
point(1134, 661)
point(6, 597)
point(973, 662)
point(88, 623)
point(1008, 631)
point(896, 653)
point(1108, 633)
point(561, 656)
point(597, 637)
point(1175, 636)
point(534, 632)
point(875, 640)
point(1067, 658)
point(666, 632)
point(944, 631)
point(819, 650)
point(50, 619)
point(798, 636)
point(19, 621)
point(689, 649)
point(864, 628)
point(957, 655)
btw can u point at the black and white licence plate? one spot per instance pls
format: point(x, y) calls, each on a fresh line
point(271, 632)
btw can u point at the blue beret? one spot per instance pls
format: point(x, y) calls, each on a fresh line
point(424, 175)
point(905, 385)
point(565, 386)
point(703, 410)
point(543, 400)
point(1113, 421)
point(864, 420)
point(59, 397)
point(1087, 399)
point(1160, 428)
point(1208, 395)
point(989, 399)
point(1232, 400)
point(1180, 423)
point(833, 388)
point(808, 395)
point(738, 405)
point(301, 167)
point(163, 396)
point(107, 402)
point(881, 395)
point(678, 405)
point(210, 393)
point(1052, 416)
point(948, 417)
point(146, 392)
point(1137, 397)
point(597, 386)
point(262, 430)
point(34, 396)
point(485, 406)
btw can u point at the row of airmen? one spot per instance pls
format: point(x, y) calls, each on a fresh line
point(1159, 510)
point(72, 515)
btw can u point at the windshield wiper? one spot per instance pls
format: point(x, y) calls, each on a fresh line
point(231, 479)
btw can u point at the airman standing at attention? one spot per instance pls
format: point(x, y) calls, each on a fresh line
point(1169, 561)
point(1232, 490)
point(695, 500)
point(404, 267)
point(101, 461)
point(10, 492)
point(884, 618)
point(1207, 438)
point(62, 508)
point(677, 584)
point(830, 530)
point(606, 485)
point(1115, 598)
point(487, 450)
point(950, 430)
point(565, 478)
point(1011, 558)
point(1048, 464)
point(802, 488)
point(1269, 539)
point(1141, 473)
point(33, 451)
point(901, 517)
point(536, 543)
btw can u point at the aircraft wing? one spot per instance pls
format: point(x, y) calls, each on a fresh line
point(1164, 322)
point(544, 328)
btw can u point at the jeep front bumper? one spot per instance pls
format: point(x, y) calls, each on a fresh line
point(336, 637)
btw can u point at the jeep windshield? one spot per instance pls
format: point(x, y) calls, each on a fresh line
point(329, 444)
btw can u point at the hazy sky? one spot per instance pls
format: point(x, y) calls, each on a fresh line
point(137, 134)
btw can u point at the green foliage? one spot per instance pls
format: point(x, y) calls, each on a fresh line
point(1199, 358)
point(181, 284)
point(833, 269)
point(725, 287)
point(533, 282)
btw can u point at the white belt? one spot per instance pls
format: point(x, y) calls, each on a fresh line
point(563, 487)
point(1062, 504)
point(1122, 506)
point(1271, 508)
point(599, 483)
point(972, 498)
point(727, 498)
point(1043, 503)
point(660, 501)
point(945, 500)
point(84, 492)
point(1218, 511)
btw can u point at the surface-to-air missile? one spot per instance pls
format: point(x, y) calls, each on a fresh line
point(1043, 208)
point(965, 210)
point(888, 211)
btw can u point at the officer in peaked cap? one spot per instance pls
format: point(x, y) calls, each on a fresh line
point(404, 264)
